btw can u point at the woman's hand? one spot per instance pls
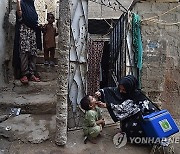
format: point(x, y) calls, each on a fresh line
point(41, 26)
point(101, 104)
point(98, 94)
point(19, 11)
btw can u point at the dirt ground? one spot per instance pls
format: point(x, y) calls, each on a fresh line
point(75, 145)
point(35, 134)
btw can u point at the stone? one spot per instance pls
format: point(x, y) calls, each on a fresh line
point(160, 7)
point(3, 118)
point(29, 128)
point(144, 7)
point(165, 1)
point(12, 17)
point(40, 103)
point(169, 18)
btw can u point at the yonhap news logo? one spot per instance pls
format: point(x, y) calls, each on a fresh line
point(120, 140)
point(153, 140)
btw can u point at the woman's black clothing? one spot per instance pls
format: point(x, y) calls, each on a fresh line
point(112, 95)
point(29, 14)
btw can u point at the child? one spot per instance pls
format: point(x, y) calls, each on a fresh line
point(49, 34)
point(93, 121)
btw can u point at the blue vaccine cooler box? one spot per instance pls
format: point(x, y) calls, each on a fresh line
point(159, 124)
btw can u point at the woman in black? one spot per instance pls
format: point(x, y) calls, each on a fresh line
point(117, 96)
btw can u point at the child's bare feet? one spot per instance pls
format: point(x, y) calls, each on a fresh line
point(90, 139)
point(85, 139)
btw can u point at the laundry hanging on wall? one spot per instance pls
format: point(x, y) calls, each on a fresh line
point(137, 43)
point(95, 52)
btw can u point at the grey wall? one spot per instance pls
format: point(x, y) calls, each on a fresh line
point(97, 11)
point(3, 5)
point(161, 61)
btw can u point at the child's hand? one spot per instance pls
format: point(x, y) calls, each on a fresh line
point(40, 25)
point(103, 123)
point(100, 122)
point(56, 34)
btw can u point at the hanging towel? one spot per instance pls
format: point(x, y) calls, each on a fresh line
point(137, 40)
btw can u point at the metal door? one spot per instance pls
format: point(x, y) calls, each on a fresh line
point(121, 51)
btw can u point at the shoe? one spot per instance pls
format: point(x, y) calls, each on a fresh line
point(24, 80)
point(85, 139)
point(52, 63)
point(46, 63)
point(34, 78)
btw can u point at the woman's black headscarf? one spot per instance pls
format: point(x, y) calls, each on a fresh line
point(112, 94)
point(29, 14)
point(130, 84)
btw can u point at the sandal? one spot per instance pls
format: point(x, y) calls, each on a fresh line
point(52, 63)
point(34, 78)
point(24, 80)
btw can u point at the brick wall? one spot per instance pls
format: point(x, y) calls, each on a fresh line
point(161, 61)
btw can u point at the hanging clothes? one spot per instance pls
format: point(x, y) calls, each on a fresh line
point(137, 40)
point(95, 52)
point(137, 43)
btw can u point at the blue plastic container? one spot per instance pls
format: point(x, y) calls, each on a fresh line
point(159, 124)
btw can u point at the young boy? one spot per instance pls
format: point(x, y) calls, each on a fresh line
point(93, 121)
point(49, 43)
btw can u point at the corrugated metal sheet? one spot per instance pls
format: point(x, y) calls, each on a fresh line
point(78, 59)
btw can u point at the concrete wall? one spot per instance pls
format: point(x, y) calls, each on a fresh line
point(3, 6)
point(161, 61)
point(97, 11)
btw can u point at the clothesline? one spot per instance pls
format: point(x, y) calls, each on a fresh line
point(111, 5)
point(152, 19)
point(160, 14)
point(163, 23)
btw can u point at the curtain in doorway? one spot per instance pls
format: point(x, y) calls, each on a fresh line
point(95, 52)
